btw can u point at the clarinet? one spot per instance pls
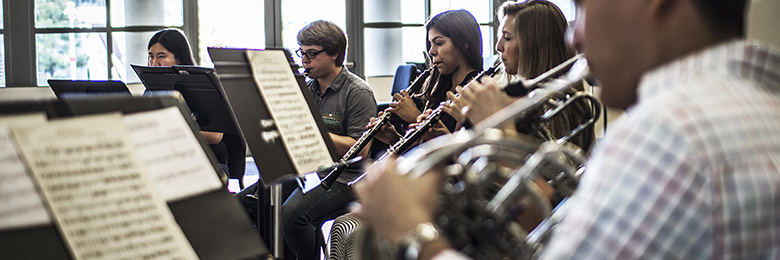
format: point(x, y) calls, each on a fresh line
point(413, 135)
point(368, 135)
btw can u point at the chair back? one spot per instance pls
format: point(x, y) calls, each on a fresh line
point(404, 75)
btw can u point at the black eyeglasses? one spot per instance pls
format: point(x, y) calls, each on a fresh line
point(310, 55)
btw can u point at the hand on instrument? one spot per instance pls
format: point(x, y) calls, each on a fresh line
point(404, 106)
point(435, 130)
point(386, 133)
point(392, 204)
point(454, 108)
point(484, 99)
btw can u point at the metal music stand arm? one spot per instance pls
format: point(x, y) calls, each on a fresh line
point(276, 214)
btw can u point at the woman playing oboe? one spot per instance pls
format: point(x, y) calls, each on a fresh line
point(454, 43)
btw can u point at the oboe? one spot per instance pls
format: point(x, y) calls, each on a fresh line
point(413, 135)
point(367, 136)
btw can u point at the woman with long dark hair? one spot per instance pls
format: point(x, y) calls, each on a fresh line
point(454, 43)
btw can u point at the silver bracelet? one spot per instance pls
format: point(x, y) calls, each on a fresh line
point(412, 244)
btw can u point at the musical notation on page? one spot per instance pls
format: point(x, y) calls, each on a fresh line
point(20, 203)
point(172, 155)
point(287, 105)
point(103, 201)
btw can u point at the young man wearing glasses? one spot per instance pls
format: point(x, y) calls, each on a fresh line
point(347, 104)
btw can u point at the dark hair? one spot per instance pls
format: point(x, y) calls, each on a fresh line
point(326, 34)
point(724, 15)
point(174, 41)
point(541, 27)
point(462, 28)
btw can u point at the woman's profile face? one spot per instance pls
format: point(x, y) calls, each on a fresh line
point(443, 52)
point(509, 45)
point(160, 56)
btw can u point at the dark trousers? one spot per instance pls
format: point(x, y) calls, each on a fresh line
point(300, 210)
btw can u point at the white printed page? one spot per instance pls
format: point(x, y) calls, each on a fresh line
point(288, 107)
point(171, 153)
point(102, 200)
point(20, 204)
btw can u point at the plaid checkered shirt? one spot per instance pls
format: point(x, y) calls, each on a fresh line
point(693, 169)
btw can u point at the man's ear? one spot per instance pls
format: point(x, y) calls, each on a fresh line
point(662, 7)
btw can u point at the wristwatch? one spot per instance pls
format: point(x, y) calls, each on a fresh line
point(412, 244)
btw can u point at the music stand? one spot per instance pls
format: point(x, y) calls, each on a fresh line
point(249, 107)
point(215, 224)
point(200, 88)
point(66, 87)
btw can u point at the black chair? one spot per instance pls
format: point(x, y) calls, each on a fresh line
point(404, 75)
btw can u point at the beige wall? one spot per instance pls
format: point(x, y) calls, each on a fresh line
point(382, 87)
point(27, 93)
point(763, 20)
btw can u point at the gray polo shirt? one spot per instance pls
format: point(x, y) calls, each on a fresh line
point(347, 106)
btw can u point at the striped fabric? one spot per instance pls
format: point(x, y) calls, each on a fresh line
point(693, 169)
point(341, 243)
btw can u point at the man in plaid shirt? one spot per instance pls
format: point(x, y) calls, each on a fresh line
point(693, 170)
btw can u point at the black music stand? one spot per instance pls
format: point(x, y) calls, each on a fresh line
point(248, 105)
point(214, 223)
point(200, 88)
point(62, 87)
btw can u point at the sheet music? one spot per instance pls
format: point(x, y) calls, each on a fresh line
point(172, 155)
point(289, 109)
point(20, 204)
point(103, 202)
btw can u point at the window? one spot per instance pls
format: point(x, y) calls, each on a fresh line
point(568, 9)
point(410, 32)
point(244, 29)
point(98, 39)
point(299, 13)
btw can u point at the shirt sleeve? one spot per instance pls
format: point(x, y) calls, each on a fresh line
point(361, 106)
point(641, 197)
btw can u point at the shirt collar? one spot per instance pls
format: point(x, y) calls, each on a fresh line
point(742, 58)
point(337, 82)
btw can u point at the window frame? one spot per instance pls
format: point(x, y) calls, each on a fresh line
point(20, 38)
point(492, 24)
